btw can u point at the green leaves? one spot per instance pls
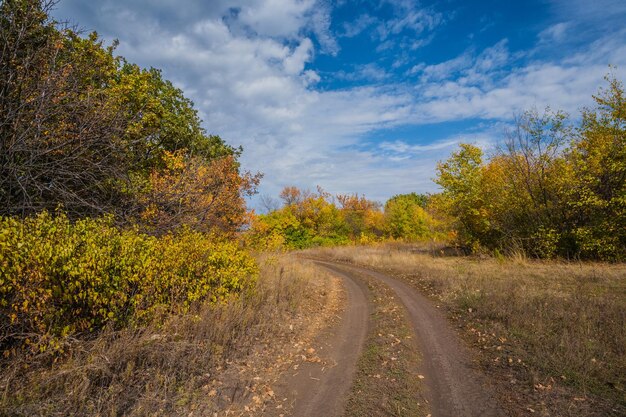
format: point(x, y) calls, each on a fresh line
point(406, 218)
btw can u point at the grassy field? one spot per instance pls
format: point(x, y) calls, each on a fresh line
point(217, 358)
point(551, 334)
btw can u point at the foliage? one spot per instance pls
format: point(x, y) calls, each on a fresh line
point(461, 178)
point(60, 278)
point(318, 219)
point(59, 137)
point(85, 129)
point(598, 159)
point(204, 196)
point(551, 190)
point(406, 217)
point(306, 219)
point(160, 119)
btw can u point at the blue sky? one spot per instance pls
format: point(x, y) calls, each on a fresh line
point(365, 96)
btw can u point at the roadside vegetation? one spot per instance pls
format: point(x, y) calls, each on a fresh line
point(134, 280)
point(552, 334)
point(216, 357)
point(124, 287)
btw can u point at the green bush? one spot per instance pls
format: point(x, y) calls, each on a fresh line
point(60, 278)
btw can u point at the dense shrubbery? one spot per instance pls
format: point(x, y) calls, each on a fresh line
point(60, 278)
point(150, 200)
point(551, 190)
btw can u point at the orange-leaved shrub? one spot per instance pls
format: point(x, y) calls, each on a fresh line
point(60, 278)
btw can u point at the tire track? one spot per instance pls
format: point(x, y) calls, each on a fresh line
point(455, 388)
point(321, 390)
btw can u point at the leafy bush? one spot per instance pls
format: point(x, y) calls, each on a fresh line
point(60, 278)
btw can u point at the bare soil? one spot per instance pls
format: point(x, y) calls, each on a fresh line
point(454, 384)
point(388, 381)
point(318, 385)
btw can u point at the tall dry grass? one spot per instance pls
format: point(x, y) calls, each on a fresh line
point(174, 367)
point(544, 324)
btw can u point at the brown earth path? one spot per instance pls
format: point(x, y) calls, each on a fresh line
point(320, 388)
point(456, 388)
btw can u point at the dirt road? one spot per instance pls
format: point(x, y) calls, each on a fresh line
point(320, 387)
point(455, 388)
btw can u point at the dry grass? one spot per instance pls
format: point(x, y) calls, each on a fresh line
point(198, 364)
point(387, 371)
point(552, 334)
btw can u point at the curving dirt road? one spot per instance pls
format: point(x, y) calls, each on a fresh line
point(455, 388)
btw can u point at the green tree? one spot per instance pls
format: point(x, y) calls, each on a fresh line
point(461, 178)
point(161, 119)
point(406, 217)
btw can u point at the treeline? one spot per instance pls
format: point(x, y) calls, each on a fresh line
point(308, 219)
point(553, 189)
point(115, 205)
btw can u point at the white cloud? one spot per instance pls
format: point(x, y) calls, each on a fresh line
point(354, 28)
point(250, 76)
point(554, 34)
point(412, 19)
point(584, 11)
point(294, 63)
point(276, 18)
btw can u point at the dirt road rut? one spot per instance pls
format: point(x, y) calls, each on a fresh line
point(456, 389)
point(320, 389)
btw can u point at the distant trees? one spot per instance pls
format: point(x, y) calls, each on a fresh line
point(319, 219)
point(551, 190)
point(86, 130)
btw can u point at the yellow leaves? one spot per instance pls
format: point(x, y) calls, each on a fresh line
point(67, 277)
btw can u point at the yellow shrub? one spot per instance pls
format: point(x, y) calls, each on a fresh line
point(60, 278)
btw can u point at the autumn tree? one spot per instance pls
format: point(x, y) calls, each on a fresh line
point(406, 217)
point(598, 159)
point(551, 190)
point(363, 217)
point(86, 130)
point(60, 139)
point(305, 219)
point(207, 197)
point(461, 178)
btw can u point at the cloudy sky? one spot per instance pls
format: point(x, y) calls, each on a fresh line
point(365, 96)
